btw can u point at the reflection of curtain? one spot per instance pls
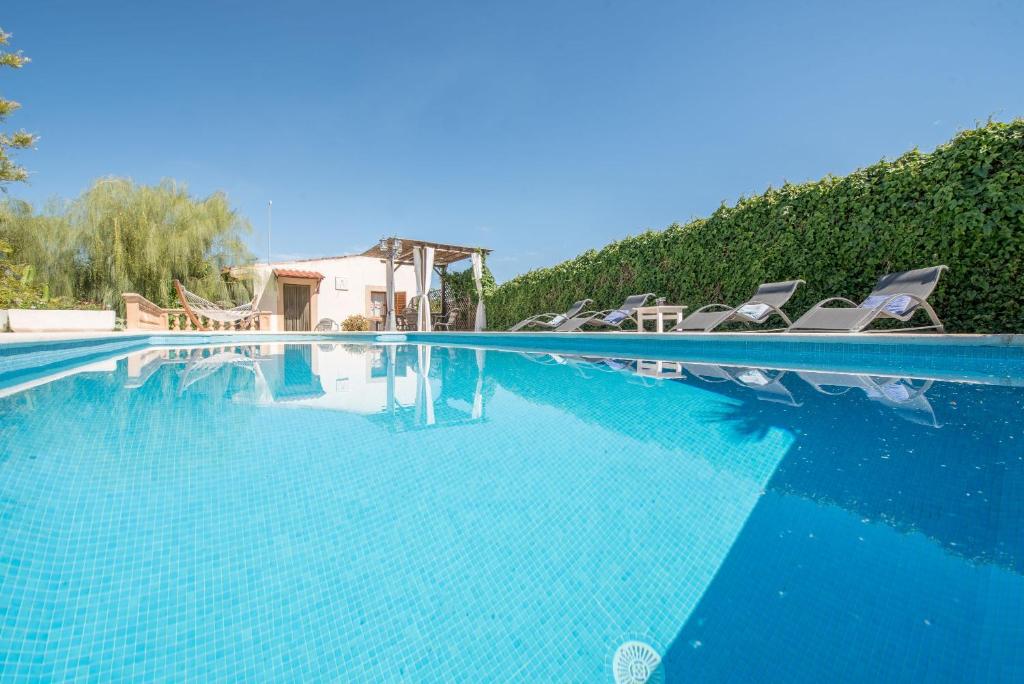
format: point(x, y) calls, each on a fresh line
point(478, 274)
point(478, 393)
point(424, 393)
point(423, 264)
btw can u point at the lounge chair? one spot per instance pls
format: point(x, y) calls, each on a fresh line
point(766, 302)
point(551, 321)
point(611, 318)
point(897, 296)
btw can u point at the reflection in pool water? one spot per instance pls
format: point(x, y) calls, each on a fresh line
point(281, 511)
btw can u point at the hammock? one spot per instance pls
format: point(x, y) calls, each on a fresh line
point(195, 306)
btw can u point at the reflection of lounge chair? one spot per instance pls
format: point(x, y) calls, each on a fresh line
point(766, 383)
point(626, 367)
point(766, 302)
point(900, 394)
point(661, 370)
point(611, 318)
point(551, 321)
point(551, 359)
point(897, 296)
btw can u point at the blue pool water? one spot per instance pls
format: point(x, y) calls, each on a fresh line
point(358, 512)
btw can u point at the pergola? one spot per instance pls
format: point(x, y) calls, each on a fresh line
point(427, 258)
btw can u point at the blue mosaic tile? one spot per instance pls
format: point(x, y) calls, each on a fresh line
point(350, 511)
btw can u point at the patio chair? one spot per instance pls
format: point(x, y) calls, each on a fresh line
point(896, 295)
point(551, 321)
point(408, 320)
point(447, 321)
point(766, 302)
point(611, 318)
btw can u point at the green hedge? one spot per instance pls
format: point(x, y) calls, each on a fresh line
point(961, 205)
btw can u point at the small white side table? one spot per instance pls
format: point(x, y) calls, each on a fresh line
point(659, 314)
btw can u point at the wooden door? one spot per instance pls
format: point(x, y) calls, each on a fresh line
point(296, 307)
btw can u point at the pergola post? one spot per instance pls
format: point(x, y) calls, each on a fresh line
point(391, 324)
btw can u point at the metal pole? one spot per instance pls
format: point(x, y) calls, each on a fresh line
point(392, 323)
point(270, 221)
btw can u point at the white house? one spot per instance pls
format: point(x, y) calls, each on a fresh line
point(300, 292)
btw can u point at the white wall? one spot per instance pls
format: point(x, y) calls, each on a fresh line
point(360, 272)
point(58, 320)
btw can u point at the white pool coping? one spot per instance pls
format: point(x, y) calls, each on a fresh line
point(968, 340)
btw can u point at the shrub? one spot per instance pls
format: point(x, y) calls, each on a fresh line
point(961, 205)
point(355, 322)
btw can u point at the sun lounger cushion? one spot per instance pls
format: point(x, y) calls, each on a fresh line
point(897, 307)
point(615, 316)
point(557, 320)
point(754, 310)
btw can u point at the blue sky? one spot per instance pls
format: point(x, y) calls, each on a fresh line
point(539, 129)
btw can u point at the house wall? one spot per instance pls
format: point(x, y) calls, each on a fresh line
point(363, 275)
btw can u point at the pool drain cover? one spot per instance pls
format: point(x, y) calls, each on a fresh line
point(634, 663)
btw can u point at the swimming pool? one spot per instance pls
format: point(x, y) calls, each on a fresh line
point(359, 511)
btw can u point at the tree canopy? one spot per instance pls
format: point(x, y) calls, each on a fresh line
point(122, 237)
point(9, 171)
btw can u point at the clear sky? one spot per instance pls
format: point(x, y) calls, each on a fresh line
point(539, 129)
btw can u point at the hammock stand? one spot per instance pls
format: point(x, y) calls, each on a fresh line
point(195, 306)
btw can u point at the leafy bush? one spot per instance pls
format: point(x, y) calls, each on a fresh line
point(961, 205)
point(122, 237)
point(355, 322)
point(460, 289)
point(19, 289)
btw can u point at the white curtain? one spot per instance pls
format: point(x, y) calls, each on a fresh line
point(424, 392)
point(478, 393)
point(423, 264)
point(478, 274)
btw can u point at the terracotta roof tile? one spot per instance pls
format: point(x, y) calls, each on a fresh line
point(295, 273)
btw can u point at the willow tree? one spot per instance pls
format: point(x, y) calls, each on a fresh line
point(9, 171)
point(121, 237)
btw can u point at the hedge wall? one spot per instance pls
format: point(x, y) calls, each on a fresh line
point(961, 205)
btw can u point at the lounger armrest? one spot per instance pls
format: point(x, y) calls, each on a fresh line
point(724, 307)
point(823, 302)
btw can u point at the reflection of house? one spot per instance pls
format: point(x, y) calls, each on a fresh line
point(397, 383)
point(299, 293)
point(350, 378)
